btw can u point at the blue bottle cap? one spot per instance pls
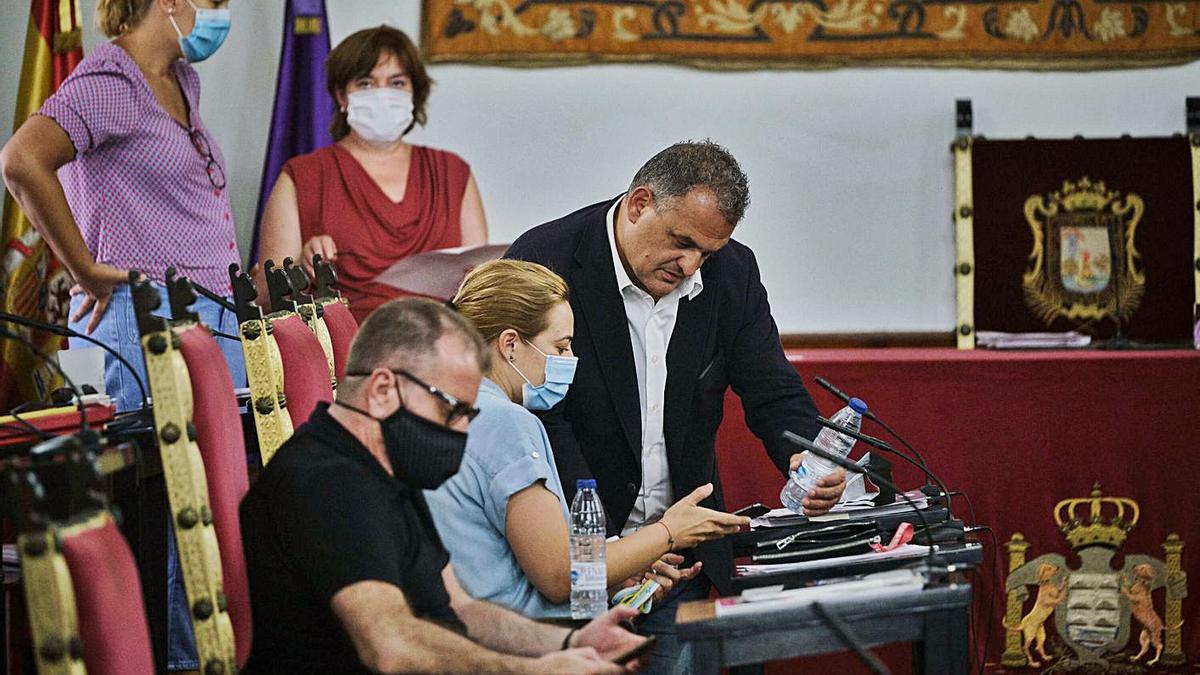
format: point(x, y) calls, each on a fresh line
point(583, 483)
point(858, 405)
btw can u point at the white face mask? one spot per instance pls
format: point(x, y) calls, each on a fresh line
point(379, 116)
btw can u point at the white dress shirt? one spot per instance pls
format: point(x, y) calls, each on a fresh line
point(650, 326)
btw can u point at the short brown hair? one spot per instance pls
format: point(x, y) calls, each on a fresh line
point(117, 17)
point(404, 334)
point(355, 56)
point(503, 294)
point(679, 169)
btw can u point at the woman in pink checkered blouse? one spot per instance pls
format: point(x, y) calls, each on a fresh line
point(117, 172)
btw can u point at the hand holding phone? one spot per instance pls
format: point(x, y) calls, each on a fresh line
point(644, 648)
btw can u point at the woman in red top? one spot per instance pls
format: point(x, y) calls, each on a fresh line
point(371, 198)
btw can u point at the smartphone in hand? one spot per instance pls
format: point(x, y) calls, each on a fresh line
point(640, 650)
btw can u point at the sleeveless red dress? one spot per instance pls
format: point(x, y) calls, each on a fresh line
point(338, 198)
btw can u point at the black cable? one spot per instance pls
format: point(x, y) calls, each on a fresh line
point(878, 444)
point(970, 506)
point(912, 458)
point(6, 333)
point(848, 638)
point(978, 577)
point(227, 336)
point(69, 332)
point(991, 601)
point(991, 591)
point(895, 435)
point(991, 579)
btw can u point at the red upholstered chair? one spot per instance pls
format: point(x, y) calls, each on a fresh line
point(219, 436)
point(108, 598)
point(305, 370)
point(342, 328)
point(189, 483)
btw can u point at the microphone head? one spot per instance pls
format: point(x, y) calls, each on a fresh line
point(827, 386)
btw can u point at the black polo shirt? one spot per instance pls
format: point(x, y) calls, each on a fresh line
point(324, 515)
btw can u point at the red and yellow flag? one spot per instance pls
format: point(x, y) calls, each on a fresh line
point(32, 282)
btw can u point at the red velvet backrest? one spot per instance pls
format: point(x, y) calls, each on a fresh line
point(219, 435)
point(108, 600)
point(305, 370)
point(342, 327)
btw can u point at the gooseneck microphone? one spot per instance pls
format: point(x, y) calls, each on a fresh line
point(873, 475)
point(221, 302)
point(874, 418)
point(827, 386)
point(882, 445)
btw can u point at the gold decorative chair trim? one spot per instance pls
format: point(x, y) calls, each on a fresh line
point(50, 600)
point(187, 485)
point(264, 373)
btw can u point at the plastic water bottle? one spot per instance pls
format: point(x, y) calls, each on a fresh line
point(804, 479)
point(589, 576)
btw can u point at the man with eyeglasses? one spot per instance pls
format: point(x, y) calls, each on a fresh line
point(346, 570)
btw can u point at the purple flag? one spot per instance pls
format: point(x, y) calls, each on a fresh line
point(303, 108)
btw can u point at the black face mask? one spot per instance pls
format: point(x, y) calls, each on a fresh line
point(423, 454)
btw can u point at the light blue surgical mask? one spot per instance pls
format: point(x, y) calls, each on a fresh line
point(209, 31)
point(560, 371)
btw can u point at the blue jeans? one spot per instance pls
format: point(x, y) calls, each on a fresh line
point(118, 329)
point(671, 655)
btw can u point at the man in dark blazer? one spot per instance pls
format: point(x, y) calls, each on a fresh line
point(643, 422)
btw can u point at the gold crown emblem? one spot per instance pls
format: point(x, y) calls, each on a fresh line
point(1107, 520)
point(1084, 195)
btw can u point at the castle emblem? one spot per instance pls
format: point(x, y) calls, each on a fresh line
point(1096, 609)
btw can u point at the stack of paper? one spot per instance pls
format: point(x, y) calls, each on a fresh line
point(997, 340)
point(860, 507)
point(905, 552)
point(880, 584)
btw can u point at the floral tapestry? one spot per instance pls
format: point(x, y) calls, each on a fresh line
point(1064, 34)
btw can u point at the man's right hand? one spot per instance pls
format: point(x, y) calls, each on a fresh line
point(97, 283)
point(581, 660)
point(691, 524)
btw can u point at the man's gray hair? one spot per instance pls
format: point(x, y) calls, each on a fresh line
point(672, 173)
point(403, 334)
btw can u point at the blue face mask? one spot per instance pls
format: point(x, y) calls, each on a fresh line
point(560, 370)
point(209, 31)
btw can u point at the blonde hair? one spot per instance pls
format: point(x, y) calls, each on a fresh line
point(117, 17)
point(503, 294)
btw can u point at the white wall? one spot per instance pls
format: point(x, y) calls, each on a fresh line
point(849, 169)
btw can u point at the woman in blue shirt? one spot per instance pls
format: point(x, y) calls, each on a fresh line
point(503, 516)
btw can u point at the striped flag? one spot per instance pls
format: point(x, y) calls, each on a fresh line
point(303, 108)
point(32, 282)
